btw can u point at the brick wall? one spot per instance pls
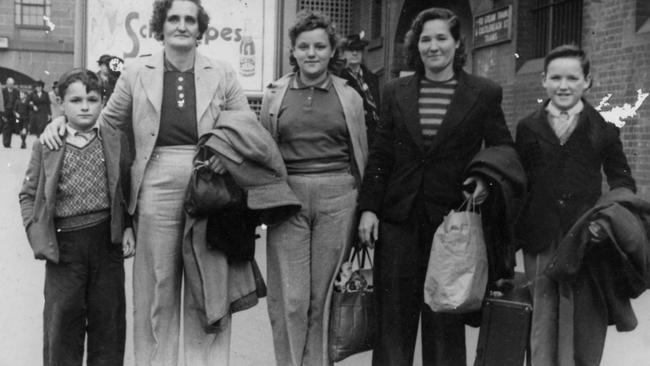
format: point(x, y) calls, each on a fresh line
point(621, 65)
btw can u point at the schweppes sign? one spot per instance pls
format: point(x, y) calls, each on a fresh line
point(240, 32)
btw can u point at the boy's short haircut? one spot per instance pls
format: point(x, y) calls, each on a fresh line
point(85, 76)
point(568, 50)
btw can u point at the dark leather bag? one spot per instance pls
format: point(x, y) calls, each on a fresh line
point(208, 192)
point(352, 327)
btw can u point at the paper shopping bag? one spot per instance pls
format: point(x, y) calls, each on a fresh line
point(457, 273)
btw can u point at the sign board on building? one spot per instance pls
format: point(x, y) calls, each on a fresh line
point(4, 42)
point(241, 33)
point(493, 27)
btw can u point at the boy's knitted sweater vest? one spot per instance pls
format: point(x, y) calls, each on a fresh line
point(83, 185)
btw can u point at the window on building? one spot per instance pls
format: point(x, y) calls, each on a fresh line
point(375, 19)
point(337, 10)
point(557, 22)
point(29, 13)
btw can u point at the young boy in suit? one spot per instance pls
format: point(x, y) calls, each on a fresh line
point(73, 209)
point(565, 146)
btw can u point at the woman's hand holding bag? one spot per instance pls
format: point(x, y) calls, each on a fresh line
point(209, 192)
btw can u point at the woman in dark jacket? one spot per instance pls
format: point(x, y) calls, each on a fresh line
point(39, 102)
point(432, 124)
point(563, 146)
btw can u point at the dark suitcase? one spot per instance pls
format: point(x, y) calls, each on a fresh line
point(505, 325)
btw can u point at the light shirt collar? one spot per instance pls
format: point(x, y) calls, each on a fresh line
point(564, 123)
point(298, 84)
point(572, 112)
point(81, 138)
point(358, 73)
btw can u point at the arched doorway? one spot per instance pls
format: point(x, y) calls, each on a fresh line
point(23, 82)
point(410, 9)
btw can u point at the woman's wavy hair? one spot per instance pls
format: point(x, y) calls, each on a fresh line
point(413, 37)
point(307, 20)
point(160, 9)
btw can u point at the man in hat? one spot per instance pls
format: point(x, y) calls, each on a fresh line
point(361, 79)
point(109, 71)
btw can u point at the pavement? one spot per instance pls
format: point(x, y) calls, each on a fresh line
point(21, 298)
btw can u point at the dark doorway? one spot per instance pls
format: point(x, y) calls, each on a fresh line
point(22, 81)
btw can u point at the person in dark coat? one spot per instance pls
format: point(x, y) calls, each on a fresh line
point(10, 96)
point(432, 125)
point(362, 80)
point(39, 101)
point(564, 145)
point(22, 116)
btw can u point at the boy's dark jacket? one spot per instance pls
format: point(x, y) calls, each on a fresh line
point(564, 181)
point(38, 194)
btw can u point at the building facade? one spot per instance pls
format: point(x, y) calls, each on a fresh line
point(33, 47)
point(506, 41)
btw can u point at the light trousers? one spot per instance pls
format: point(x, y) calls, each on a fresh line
point(303, 256)
point(158, 271)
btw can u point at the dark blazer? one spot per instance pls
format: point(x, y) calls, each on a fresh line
point(564, 181)
point(38, 193)
point(399, 168)
point(38, 119)
point(10, 99)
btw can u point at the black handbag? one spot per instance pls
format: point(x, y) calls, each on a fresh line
point(209, 192)
point(353, 325)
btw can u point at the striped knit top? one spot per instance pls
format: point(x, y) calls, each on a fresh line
point(433, 102)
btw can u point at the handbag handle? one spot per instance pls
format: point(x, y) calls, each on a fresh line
point(470, 205)
point(361, 258)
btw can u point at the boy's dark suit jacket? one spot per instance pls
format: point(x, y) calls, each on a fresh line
point(400, 169)
point(38, 193)
point(564, 181)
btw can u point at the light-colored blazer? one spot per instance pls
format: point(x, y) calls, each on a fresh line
point(219, 287)
point(38, 193)
point(137, 102)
